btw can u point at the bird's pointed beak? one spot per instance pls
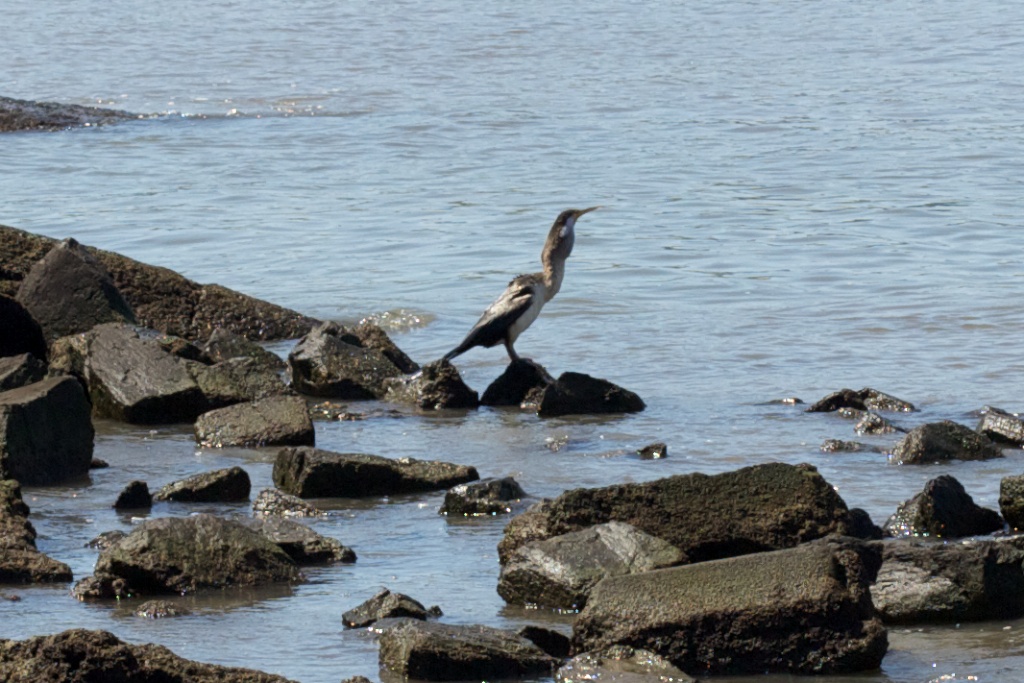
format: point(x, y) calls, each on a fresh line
point(583, 211)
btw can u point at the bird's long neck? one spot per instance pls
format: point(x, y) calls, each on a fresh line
point(554, 271)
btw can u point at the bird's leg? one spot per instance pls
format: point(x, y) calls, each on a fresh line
point(511, 352)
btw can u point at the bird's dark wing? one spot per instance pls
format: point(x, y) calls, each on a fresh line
point(493, 325)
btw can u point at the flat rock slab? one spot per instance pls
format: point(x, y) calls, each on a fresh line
point(763, 507)
point(801, 610)
point(620, 664)
point(20, 561)
point(942, 510)
point(304, 545)
point(81, 656)
point(313, 473)
point(386, 605)
point(924, 582)
point(275, 421)
point(941, 441)
point(20, 332)
point(227, 485)
point(560, 572)
point(430, 651)
point(575, 393)
point(46, 433)
point(438, 386)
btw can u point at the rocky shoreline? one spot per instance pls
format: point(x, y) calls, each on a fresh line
point(762, 569)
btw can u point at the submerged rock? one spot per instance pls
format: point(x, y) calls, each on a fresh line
point(803, 610)
point(653, 451)
point(946, 440)
point(436, 387)
point(274, 421)
point(387, 605)
point(574, 393)
point(314, 473)
point(522, 382)
point(20, 332)
point(274, 502)
point(942, 510)
point(302, 544)
point(621, 664)
point(159, 609)
point(865, 399)
point(28, 115)
point(332, 362)
point(226, 485)
point(485, 497)
point(135, 496)
point(20, 560)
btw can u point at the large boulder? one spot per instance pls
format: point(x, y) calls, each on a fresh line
point(942, 510)
point(941, 441)
point(23, 115)
point(575, 393)
point(620, 664)
point(17, 371)
point(436, 387)
point(182, 555)
point(314, 473)
point(46, 434)
point(763, 507)
point(20, 332)
point(800, 610)
point(302, 544)
point(227, 485)
point(20, 561)
point(81, 656)
point(522, 382)
point(560, 572)
point(162, 299)
point(431, 651)
point(332, 362)
point(274, 421)
point(865, 399)
point(68, 291)
point(386, 605)
point(924, 582)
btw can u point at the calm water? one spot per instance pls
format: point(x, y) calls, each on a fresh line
point(798, 197)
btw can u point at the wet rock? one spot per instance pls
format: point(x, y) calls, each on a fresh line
point(331, 362)
point(942, 510)
point(237, 380)
point(620, 664)
point(159, 609)
point(182, 555)
point(46, 434)
point(275, 421)
point(182, 348)
point(763, 507)
point(840, 446)
point(226, 485)
point(873, 423)
point(552, 642)
point(560, 572)
point(20, 561)
point(437, 386)
point(162, 299)
point(225, 345)
point(485, 497)
point(1002, 427)
point(106, 539)
point(800, 610)
point(357, 679)
point(20, 332)
point(302, 544)
point(521, 379)
point(865, 399)
point(135, 496)
point(314, 473)
point(28, 115)
point(68, 291)
point(431, 651)
point(654, 451)
point(373, 336)
point(98, 464)
point(81, 656)
point(386, 605)
point(274, 502)
point(574, 393)
point(18, 371)
point(928, 582)
point(1011, 501)
point(946, 440)
point(861, 526)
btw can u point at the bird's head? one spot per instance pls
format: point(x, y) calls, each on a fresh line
point(562, 234)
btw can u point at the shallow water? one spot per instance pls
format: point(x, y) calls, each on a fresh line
point(798, 197)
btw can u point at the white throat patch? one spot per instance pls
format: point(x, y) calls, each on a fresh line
point(567, 228)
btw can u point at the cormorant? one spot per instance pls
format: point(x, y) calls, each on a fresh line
point(520, 304)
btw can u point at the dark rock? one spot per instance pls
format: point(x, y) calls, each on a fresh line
point(162, 299)
point(274, 502)
point(373, 336)
point(438, 652)
point(18, 371)
point(865, 399)
point(940, 441)
point(28, 115)
point(1011, 501)
point(942, 510)
point(861, 526)
point(135, 496)
point(224, 345)
point(182, 555)
point(331, 362)
point(220, 486)
point(574, 393)
point(552, 642)
point(302, 544)
point(356, 679)
point(513, 386)
point(1002, 427)
point(106, 539)
point(237, 380)
point(314, 473)
point(20, 332)
point(182, 348)
point(485, 497)
point(20, 561)
point(386, 605)
point(801, 610)
point(159, 609)
point(763, 507)
point(560, 572)
point(873, 423)
point(68, 292)
point(620, 664)
point(274, 421)
point(46, 435)
point(437, 386)
point(98, 464)
point(928, 582)
point(653, 451)
point(840, 446)
point(80, 656)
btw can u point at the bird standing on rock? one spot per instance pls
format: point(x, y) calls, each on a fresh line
point(520, 304)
